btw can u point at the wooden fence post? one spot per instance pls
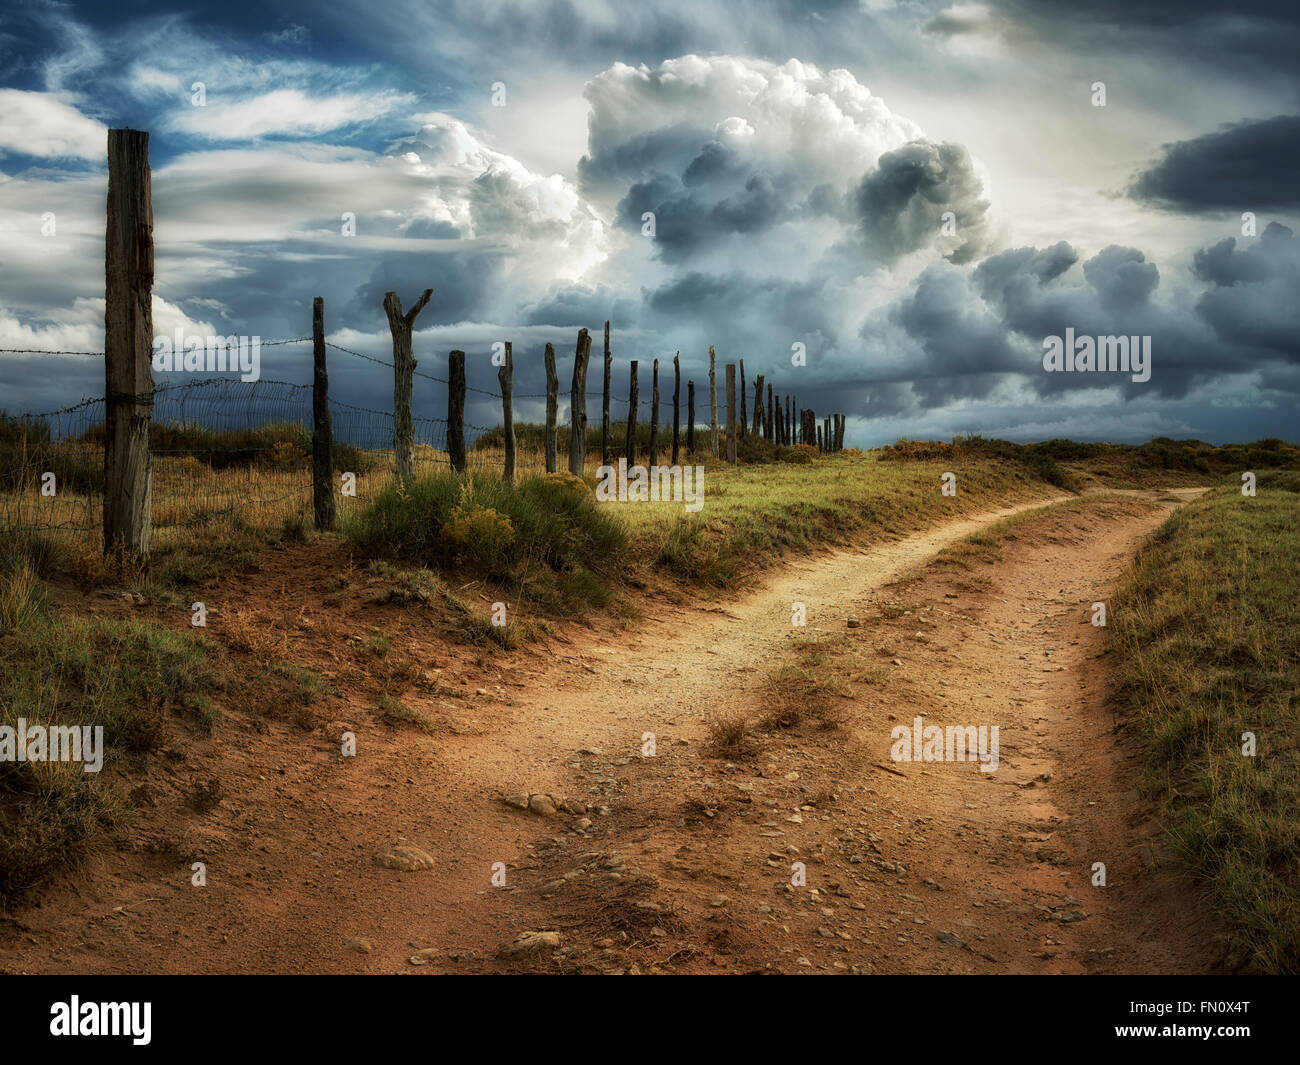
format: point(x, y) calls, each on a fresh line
point(732, 430)
point(677, 403)
point(128, 346)
point(787, 424)
point(633, 398)
point(400, 325)
point(578, 406)
point(604, 410)
point(654, 416)
point(456, 410)
point(322, 435)
point(506, 375)
point(713, 404)
point(758, 404)
point(769, 428)
point(690, 417)
point(552, 406)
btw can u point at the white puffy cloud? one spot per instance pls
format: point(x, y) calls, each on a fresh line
point(48, 125)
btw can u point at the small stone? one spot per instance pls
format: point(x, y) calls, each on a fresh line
point(519, 800)
point(527, 943)
point(542, 804)
point(404, 857)
point(423, 957)
point(359, 944)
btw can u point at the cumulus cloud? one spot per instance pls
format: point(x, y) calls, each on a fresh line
point(727, 147)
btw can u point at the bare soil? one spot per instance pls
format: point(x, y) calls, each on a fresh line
point(683, 861)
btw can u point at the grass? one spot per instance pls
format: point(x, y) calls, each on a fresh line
point(1207, 639)
point(395, 712)
point(128, 676)
point(544, 539)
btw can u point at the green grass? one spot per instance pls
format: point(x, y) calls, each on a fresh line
point(545, 539)
point(755, 515)
point(126, 675)
point(1207, 637)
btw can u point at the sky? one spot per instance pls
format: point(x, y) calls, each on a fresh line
point(915, 194)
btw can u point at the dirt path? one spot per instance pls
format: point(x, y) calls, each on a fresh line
point(683, 861)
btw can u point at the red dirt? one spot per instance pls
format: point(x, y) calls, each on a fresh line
point(920, 867)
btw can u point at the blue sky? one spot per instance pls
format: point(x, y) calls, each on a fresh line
point(805, 166)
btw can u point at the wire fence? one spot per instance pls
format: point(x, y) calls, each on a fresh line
point(225, 448)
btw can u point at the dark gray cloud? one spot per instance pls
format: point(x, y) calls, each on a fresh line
point(1248, 166)
point(1252, 39)
point(902, 202)
point(1255, 304)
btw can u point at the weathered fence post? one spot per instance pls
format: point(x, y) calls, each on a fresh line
point(400, 326)
point(786, 423)
point(633, 397)
point(744, 417)
point(758, 404)
point(128, 345)
point(322, 436)
point(777, 428)
point(506, 375)
point(713, 403)
point(604, 410)
point(677, 402)
point(578, 406)
point(552, 406)
point(456, 410)
point(769, 427)
point(732, 431)
point(654, 417)
point(690, 417)
point(839, 435)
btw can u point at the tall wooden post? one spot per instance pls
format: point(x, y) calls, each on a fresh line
point(785, 424)
point(552, 406)
point(456, 410)
point(400, 325)
point(604, 408)
point(633, 397)
point(128, 345)
point(677, 402)
point(758, 404)
point(713, 403)
point(690, 417)
point(732, 431)
point(506, 375)
point(654, 416)
point(768, 427)
point(578, 406)
point(322, 434)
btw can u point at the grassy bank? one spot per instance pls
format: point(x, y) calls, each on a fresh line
point(1207, 639)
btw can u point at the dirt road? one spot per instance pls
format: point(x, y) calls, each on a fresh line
point(681, 861)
